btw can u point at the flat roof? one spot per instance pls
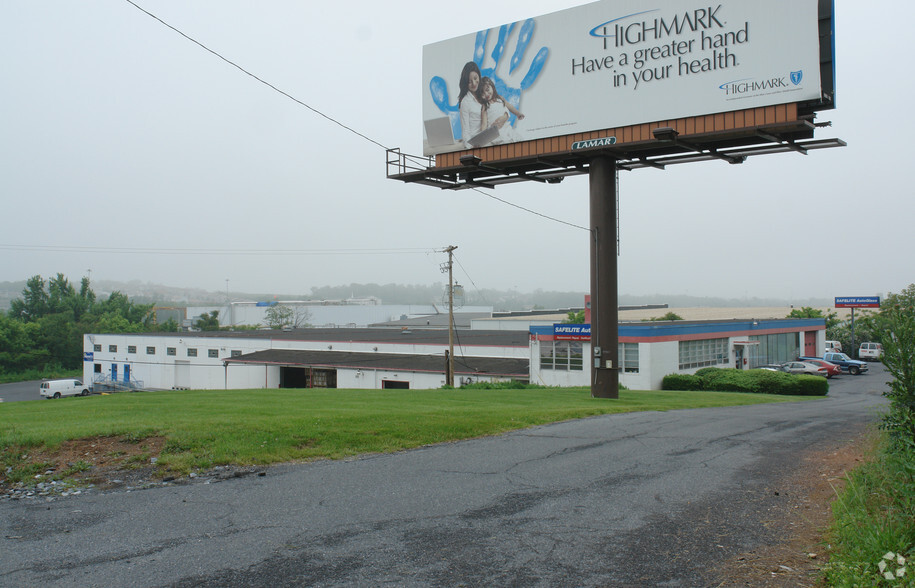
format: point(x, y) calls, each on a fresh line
point(491, 366)
point(409, 336)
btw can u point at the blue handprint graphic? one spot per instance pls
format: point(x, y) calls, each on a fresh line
point(474, 71)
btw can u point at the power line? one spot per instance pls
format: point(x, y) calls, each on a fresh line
point(530, 211)
point(466, 273)
point(266, 83)
point(195, 251)
point(321, 114)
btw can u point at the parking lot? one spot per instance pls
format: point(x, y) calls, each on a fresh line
point(20, 391)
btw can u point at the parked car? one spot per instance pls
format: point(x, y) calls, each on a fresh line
point(831, 368)
point(772, 367)
point(802, 367)
point(870, 351)
point(58, 388)
point(833, 346)
point(852, 366)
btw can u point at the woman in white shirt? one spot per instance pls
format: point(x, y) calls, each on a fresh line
point(470, 107)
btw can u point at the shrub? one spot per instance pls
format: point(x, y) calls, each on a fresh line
point(681, 382)
point(729, 380)
point(769, 382)
point(513, 385)
point(752, 381)
point(706, 370)
point(812, 385)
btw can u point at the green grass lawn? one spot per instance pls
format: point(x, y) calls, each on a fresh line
point(208, 428)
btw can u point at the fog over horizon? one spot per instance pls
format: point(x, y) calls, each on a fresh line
point(412, 294)
point(131, 153)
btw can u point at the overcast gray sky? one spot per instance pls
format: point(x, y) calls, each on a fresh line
point(119, 136)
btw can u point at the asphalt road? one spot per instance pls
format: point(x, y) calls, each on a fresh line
point(20, 391)
point(652, 498)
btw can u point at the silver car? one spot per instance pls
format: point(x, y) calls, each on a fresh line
point(802, 367)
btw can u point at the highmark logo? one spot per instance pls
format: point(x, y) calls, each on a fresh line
point(751, 86)
point(630, 30)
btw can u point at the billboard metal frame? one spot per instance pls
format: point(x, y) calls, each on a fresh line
point(666, 146)
point(732, 137)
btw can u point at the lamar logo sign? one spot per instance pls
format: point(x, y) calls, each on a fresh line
point(602, 142)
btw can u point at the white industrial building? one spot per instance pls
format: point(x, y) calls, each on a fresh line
point(415, 357)
point(350, 313)
point(301, 358)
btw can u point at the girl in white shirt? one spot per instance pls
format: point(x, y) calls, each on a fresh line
point(495, 111)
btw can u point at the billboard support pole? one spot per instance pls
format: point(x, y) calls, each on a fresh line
point(605, 378)
point(852, 353)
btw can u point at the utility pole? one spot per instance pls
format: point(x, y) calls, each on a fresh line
point(449, 376)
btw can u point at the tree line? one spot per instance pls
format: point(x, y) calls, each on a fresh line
point(43, 330)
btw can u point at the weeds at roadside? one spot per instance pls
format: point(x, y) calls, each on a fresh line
point(874, 516)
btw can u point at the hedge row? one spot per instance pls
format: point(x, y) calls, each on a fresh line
point(754, 381)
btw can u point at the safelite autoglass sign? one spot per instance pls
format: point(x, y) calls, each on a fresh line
point(566, 332)
point(858, 302)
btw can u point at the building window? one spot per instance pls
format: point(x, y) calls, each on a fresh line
point(131, 349)
point(98, 368)
point(191, 352)
point(97, 347)
point(706, 352)
point(150, 351)
point(561, 355)
point(546, 355)
point(214, 353)
point(629, 357)
point(777, 348)
point(112, 349)
point(171, 351)
point(236, 352)
point(576, 363)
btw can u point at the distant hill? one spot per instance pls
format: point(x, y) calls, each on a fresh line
point(500, 300)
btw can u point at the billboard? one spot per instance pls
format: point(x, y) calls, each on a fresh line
point(857, 302)
point(571, 332)
point(616, 63)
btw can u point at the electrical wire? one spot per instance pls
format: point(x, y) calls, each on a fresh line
point(194, 251)
point(266, 83)
point(477, 288)
point(323, 115)
point(540, 214)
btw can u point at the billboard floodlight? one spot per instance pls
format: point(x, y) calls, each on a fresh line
point(665, 134)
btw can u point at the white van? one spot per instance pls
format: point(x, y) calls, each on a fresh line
point(833, 346)
point(870, 351)
point(58, 388)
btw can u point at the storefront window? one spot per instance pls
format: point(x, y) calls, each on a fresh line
point(702, 353)
point(629, 357)
point(561, 355)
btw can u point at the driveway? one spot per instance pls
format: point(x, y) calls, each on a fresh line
point(654, 498)
point(20, 391)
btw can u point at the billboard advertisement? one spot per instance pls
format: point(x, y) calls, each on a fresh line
point(857, 302)
point(616, 63)
point(571, 332)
